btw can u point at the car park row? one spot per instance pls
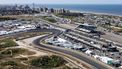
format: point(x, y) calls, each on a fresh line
point(101, 55)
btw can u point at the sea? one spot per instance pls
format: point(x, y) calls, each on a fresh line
point(88, 8)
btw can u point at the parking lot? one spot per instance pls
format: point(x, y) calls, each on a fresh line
point(70, 43)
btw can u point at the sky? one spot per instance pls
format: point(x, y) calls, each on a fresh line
point(61, 1)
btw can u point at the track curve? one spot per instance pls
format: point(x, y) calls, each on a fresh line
point(71, 53)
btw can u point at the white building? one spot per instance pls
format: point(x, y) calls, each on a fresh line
point(3, 32)
point(106, 59)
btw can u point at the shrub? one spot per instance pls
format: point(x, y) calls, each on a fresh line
point(48, 61)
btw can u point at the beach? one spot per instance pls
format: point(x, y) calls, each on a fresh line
point(98, 13)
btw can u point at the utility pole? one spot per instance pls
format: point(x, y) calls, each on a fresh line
point(33, 8)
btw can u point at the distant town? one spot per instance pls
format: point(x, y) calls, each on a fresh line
point(26, 9)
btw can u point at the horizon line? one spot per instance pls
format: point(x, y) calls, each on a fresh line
point(54, 4)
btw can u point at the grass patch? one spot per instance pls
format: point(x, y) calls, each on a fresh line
point(6, 18)
point(62, 16)
point(12, 52)
point(15, 51)
point(11, 63)
point(50, 19)
point(7, 43)
point(69, 15)
point(48, 61)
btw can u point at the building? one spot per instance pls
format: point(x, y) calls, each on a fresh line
point(86, 28)
point(106, 60)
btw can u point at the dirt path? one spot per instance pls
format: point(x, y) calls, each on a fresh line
point(26, 45)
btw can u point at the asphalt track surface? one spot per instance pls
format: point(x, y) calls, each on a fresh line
point(71, 53)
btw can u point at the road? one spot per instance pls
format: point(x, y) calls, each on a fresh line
point(93, 62)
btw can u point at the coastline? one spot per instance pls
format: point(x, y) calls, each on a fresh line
point(106, 9)
point(89, 12)
point(97, 13)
